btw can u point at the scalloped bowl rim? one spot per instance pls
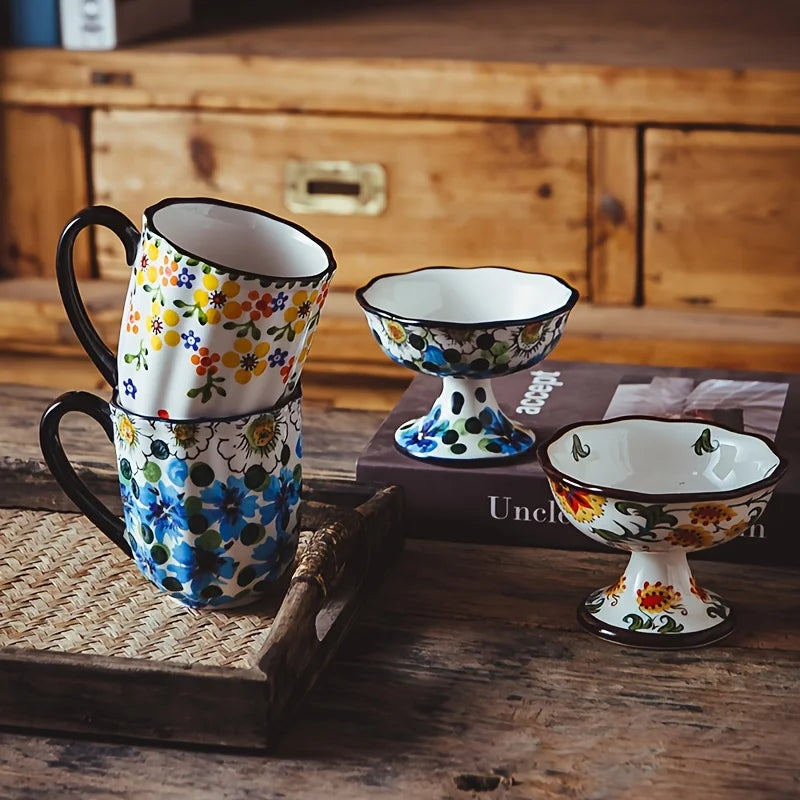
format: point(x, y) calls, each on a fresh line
point(555, 455)
point(566, 294)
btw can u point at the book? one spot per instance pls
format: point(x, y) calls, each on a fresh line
point(510, 502)
point(106, 24)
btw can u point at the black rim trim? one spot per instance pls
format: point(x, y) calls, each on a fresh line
point(296, 394)
point(655, 641)
point(675, 497)
point(150, 212)
point(367, 306)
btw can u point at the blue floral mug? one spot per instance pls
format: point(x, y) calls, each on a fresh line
point(210, 506)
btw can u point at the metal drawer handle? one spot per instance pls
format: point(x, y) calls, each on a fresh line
point(335, 187)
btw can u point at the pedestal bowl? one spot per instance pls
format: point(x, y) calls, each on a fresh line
point(466, 326)
point(659, 489)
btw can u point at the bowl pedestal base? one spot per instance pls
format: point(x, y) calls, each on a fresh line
point(464, 426)
point(657, 604)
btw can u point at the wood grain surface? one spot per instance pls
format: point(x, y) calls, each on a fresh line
point(719, 225)
point(619, 62)
point(458, 193)
point(469, 670)
point(44, 180)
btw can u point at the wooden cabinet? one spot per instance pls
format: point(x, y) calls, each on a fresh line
point(720, 220)
point(600, 142)
point(456, 192)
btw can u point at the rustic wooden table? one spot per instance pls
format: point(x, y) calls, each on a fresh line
point(467, 677)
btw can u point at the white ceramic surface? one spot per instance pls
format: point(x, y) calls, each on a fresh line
point(659, 489)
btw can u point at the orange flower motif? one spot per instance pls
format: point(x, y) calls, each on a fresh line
point(134, 317)
point(655, 598)
point(699, 591)
point(205, 361)
point(581, 506)
point(286, 369)
point(692, 537)
point(614, 591)
point(711, 514)
point(395, 331)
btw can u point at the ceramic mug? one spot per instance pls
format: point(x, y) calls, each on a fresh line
point(210, 506)
point(222, 303)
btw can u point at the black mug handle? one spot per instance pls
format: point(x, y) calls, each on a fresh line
point(53, 451)
point(98, 351)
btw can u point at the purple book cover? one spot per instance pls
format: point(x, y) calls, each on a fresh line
point(511, 503)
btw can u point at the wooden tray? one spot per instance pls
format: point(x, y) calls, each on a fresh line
point(88, 646)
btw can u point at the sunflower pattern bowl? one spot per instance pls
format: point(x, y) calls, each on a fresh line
point(439, 321)
point(659, 489)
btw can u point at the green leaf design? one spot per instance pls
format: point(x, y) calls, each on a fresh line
point(704, 443)
point(579, 449)
point(181, 304)
point(192, 262)
point(718, 610)
point(635, 622)
point(668, 625)
point(193, 392)
point(594, 602)
point(653, 515)
point(611, 536)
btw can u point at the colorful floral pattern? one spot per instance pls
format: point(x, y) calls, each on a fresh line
point(458, 426)
point(211, 507)
point(659, 527)
point(193, 333)
point(467, 352)
point(579, 505)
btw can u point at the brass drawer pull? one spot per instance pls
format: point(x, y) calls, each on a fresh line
point(335, 187)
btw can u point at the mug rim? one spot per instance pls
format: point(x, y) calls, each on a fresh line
point(295, 395)
point(422, 322)
point(151, 210)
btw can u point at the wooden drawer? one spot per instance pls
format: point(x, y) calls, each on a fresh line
point(720, 220)
point(461, 193)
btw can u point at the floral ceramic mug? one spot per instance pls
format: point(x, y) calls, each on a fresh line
point(222, 303)
point(210, 508)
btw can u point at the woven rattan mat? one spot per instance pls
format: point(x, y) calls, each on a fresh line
point(65, 587)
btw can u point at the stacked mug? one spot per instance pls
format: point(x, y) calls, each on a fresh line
point(205, 417)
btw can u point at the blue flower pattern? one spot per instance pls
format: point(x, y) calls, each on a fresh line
point(423, 438)
point(217, 541)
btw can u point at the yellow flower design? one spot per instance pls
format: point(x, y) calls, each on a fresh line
point(614, 591)
point(692, 537)
point(298, 313)
point(249, 359)
point(654, 598)
point(738, 527)
point(127, 431)
point(159, 323)
point(711, 514)
point(581, 506)
point(395, 331)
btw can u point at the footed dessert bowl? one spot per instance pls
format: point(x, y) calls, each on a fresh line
point(659, 489)
point(466, 326)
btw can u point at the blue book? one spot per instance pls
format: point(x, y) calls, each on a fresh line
point(34, 23)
